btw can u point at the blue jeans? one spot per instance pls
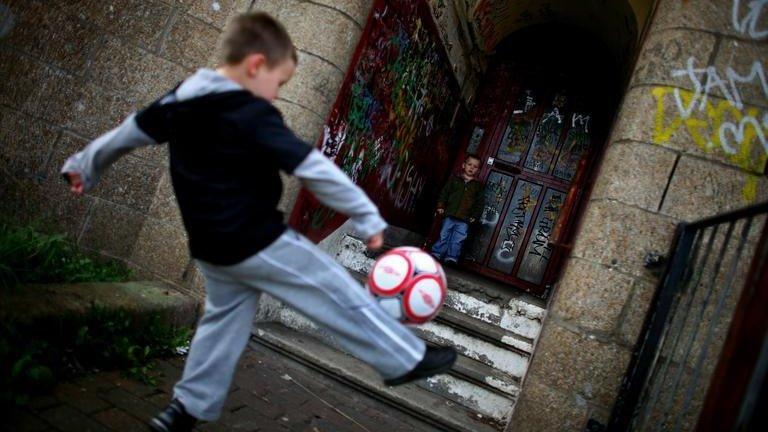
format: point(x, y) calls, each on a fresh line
point(452, 236)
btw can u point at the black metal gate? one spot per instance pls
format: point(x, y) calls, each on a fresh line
point(683, 334)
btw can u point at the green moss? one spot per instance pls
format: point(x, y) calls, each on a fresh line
point(28, 255)
point(34, 357)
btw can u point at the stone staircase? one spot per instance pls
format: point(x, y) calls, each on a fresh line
point(493, 329)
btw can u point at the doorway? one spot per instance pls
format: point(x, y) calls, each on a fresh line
point(540, 120)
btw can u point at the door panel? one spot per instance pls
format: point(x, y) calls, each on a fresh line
point(515, 226)
point(547, 137)
point(514, 143)
point(576, 144)
point(539, 250)
point(496, 190)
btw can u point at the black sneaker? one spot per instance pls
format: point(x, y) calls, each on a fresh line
point(173, 418)
point(435, 361)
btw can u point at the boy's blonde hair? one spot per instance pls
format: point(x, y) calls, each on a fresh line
point(256, 33)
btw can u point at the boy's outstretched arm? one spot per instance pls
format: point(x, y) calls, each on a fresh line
point(83, 169)
point(336, 190)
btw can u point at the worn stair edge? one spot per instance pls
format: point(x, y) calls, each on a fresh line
point(483, 321)
point(33, 303)
point(517, 317)
point(352, 253)
point(486, 404)
point(409, 398)
point(486, 377)
point(484, 330)
point(468, 369)
point(506, 360)
point(517, 313)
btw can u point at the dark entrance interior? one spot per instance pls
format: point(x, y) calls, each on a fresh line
point(539, 123)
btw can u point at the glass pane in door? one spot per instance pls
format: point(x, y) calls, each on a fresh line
point(575, 144)
point(496, 188)
point(512, 233)
point(539, 250)
point(546, 139)
point(515, 139)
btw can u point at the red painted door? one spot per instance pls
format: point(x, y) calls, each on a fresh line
point(535, 138)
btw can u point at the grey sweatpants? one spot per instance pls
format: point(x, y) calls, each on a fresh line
point(296, 272)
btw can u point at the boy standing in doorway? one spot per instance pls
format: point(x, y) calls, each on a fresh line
point(461, 202)
point(227, 144)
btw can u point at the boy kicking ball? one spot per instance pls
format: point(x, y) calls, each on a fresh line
point(227, 144)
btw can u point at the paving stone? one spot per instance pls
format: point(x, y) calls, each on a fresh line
point(44, 402)
point(23, 421)
point(96, 383)
point(80, 398)
point(169, 373)
point(68, 419)
point(246, 419)
point(159, 399)
point(135, 387)
point(119, 420)
point(131, 404)
point(262, 401)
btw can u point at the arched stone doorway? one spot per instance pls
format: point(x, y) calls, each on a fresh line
point(540, 118)
point(553, 76)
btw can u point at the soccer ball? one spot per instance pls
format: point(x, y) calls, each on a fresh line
point(409, 285)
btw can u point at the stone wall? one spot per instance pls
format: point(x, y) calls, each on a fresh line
point(468, 61)
point(325, 33)
point(689, 142)
point(71, 70)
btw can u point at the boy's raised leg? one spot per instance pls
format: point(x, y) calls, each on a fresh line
point(302, 276)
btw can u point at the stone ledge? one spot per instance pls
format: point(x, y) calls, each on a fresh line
point(44, 302)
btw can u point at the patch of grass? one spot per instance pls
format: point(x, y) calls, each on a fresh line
point(33, 359)
point(27, 255)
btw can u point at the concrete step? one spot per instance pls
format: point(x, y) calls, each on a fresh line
point(481, 378)
point(485, 376)
point(518, 322)
point(514, 327)
point(510, 362)
point(45, 303)
point(518, 314)
point(426, 404)
point(484, 330)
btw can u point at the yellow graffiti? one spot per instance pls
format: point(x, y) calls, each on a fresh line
point(745, 130)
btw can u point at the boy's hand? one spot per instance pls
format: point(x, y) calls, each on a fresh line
point(440, 211)
point(472, 220)
point(376, 241)
point(75, 182)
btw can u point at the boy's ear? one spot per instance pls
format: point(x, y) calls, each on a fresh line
point(253, 63)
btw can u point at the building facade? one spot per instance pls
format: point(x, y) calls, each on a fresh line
point(607, 124)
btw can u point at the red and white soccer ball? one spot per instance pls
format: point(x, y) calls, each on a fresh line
point(409, 284)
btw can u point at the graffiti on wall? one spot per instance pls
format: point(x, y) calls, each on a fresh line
point(389, 129)
point(496, 18)
point(722, 123)
point(748, 22)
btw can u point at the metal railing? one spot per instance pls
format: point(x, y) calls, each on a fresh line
point(683, 334)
